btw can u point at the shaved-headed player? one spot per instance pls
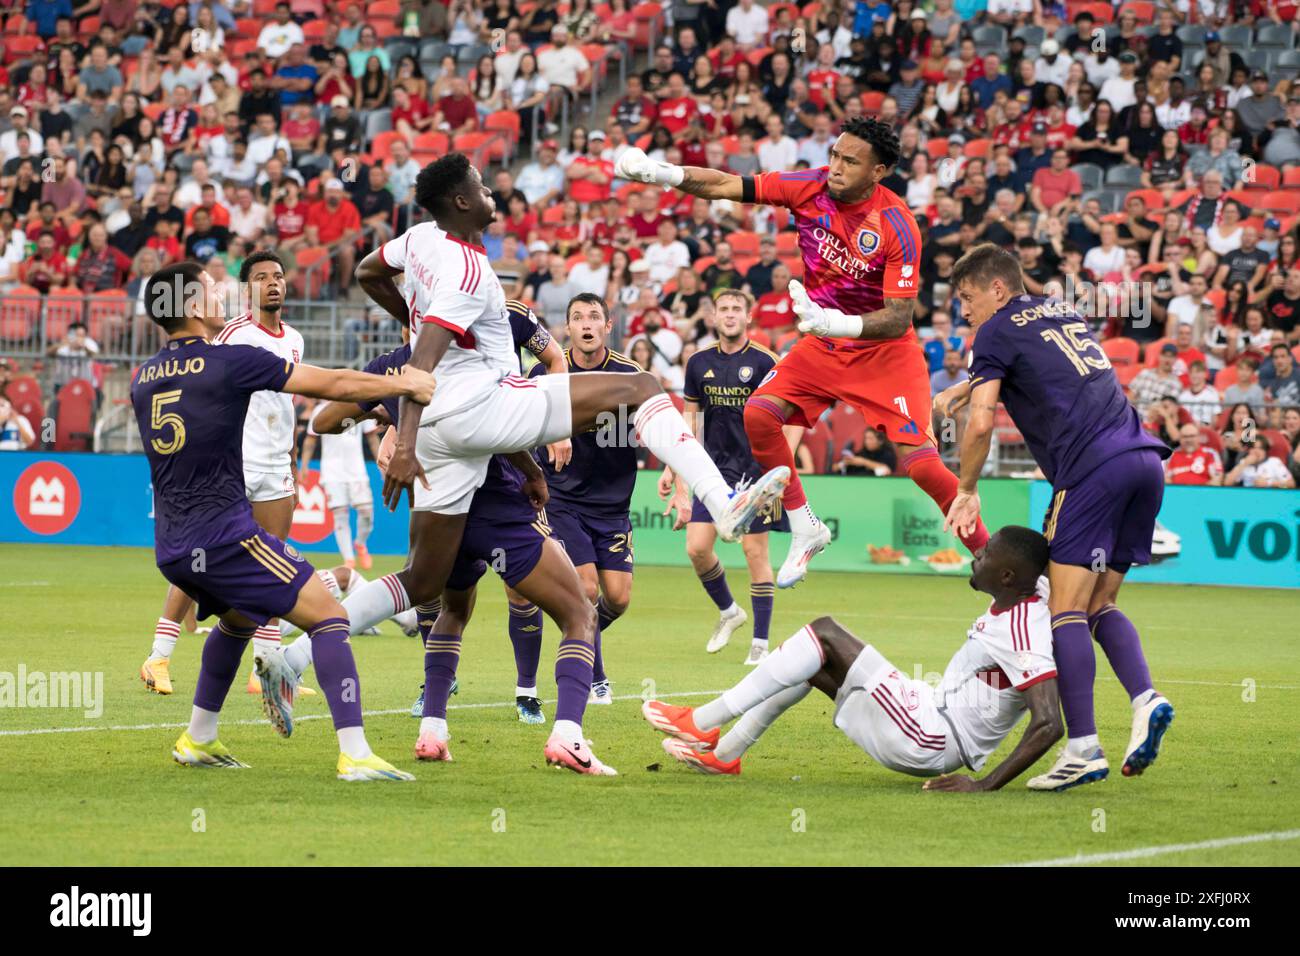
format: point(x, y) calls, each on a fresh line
point(719, 381)
point(190, 401)
point(862, 262)
point(1003, 668)
point(1037, 356)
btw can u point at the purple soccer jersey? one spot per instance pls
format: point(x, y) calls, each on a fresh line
point(1058, 387)
point(720, 384)
point(190, 401)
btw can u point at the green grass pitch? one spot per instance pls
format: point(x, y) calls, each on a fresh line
point(111, 795)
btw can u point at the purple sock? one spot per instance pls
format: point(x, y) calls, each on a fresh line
point(605, 616)
point(573, 679)
point(526, 638)
point(1076, 671)
point(760, 599)
point(715, 583)
point(222, 652)
point(1119, 639)
point(425, 616)
point(598, 663)
point(336, 671)
point(441, 655)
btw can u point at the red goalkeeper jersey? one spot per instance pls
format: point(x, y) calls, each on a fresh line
point(855, 255)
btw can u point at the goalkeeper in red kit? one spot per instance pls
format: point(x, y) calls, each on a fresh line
point(862, 260)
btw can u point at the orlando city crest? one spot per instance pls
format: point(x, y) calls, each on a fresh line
point(746, 373)
point(868, 242)
point(292, 552)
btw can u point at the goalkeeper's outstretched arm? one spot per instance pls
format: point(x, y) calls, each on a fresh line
point(636, 166)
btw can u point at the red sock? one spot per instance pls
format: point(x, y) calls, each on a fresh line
point(929, 472)
point(763, 422)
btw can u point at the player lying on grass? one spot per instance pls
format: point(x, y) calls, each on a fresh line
point(190, 401)
point(1037, 356)
point(1003, 668)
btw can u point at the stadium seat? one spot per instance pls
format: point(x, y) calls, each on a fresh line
point(1090, 175)
point(1124, 175)
point(1151, 354)
point(1211, 438)
point(781, 343)
point(1278, 36)
point(88, 27)
point(787, 244)
point(314, 30)
point(107, 316)
point(481, 147)
point(314, 269)
point(977, 148)
point(1286, 201)
point(74, 426)
point(1287, 63)
point(818, 442)
point(1279, 446)
point(1121, 350)
point(743, 243)
point(1154, 198)
point(1291, 176)
point(507, 124)
point(1225, 377)
point(1144, 12)
point(382, 147)
point(24, 393)
point(1103, 13)
point(649, 25)
point(990, 39)
point(387, 9)
point(1031, 34)
point(62, 308)
point(19, 48)
point(1262, 176)
point(435, 142)
point(1192, 35)
point(20, 314)
point(937, 147)
point(553, 215)
point(871, 101)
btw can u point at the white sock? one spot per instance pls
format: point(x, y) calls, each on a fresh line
point(732, 611)
point(286, 628)
point(567, 730)
point(802, 519)
point(165, 635)
point(661, 428)
point(754, 721)
point(343, 534)
point(267, 637)
point(298, 655)
point(1144, 698)
point(376, 601)
point(352, 741)
point(436, 726)
point(355, 580)
point(203, 725)
point(525, 691)
point(408, 618)
point(759, 642)
point(330, 582)
point(365, 522)
point(794, 662)
point(1082, 746)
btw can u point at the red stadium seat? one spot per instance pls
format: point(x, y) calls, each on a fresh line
point(505, 122)
point(74, 427)
point(313, 271)
point(382, 147)
point(1121, 350)
point(248, 27)
point(24, 393)
point(818, 442)
point(649, 23)
point(1263, 177)
point(787, 244)
point(755, 57)
point(1281, 200)
point(20, 314)
point(1145, 12)
point(1291, 177)
point(937, 148)
point(88, 27)
point(871, 101)
point(730, 144)
point(481, 147)
point(1126, 373)
point(1225, 377)
point(62, 308)
point(1279, 446)
point(383, 8)
point(108, 315)
point(20, 48)
point(1103, 13)
point(1151, 354)
point(1154, 198)
point(743, 243)
point(314, 29)
point(977, 148)
point(438, 143)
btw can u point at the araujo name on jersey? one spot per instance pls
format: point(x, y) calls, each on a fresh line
point(837, 254)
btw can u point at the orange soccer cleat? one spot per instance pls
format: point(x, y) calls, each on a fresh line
point(363, 557)
point(704, 762)
point(679, 722)
point(429, 747)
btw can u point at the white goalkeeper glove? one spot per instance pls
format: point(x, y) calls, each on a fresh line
point(819, 320)
point(636, 166)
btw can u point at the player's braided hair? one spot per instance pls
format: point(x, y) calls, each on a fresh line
point(440, 180)
point(884, 141)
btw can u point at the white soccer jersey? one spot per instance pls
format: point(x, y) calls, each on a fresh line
point(451, 283)
point(1005, 653)
point(269, 426)
point(341, 457)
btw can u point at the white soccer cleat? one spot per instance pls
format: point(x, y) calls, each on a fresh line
point(747, 500)
point(600, 693)
point(279, 683)
point(757, 654)
point(408, 621)
point(1150, 721)
point(1071, 771)
point(722, 631)
point(803, 548)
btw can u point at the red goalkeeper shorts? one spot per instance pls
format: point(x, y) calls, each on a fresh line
point(887, 381)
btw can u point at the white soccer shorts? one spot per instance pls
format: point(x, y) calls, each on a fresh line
point(518, 414)
point(348, 494)
point(268, 485)
point(894, 718)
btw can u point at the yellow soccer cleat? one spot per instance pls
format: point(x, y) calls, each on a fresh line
point(156, 674)
point(373, 767)
point(255, 687)
point(188, 753)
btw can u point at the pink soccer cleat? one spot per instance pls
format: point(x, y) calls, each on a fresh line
point(576, 756)
point(679, 722)
point(429, 747)
point(704, 762)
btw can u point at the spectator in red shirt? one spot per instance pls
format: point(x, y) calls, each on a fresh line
point(49, 222)
point(678, 107)
point(456, 112)
point(411, 115)
point(178, 123)
point(822, 80)
point(1184, 340)
point(335, 223)
point(645, 214)
point(1192, 463)
point(50, 267)
point(590, 176)
point(164, 241)
point(774, 311)
point(520, 221)
point(1056, 189)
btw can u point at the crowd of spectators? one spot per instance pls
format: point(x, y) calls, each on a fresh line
point(1143, 157)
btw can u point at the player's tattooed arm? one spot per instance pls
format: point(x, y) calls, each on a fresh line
point(711, 183)
point(890, 322)
point(1045, 729)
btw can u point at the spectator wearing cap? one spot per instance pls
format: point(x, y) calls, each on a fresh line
point(1193, 463)
point(1221, 60)
point(542, 180)
point(1035, 156)
point(1051, 67)
point(1164, 44)
point(341, 129)
point(20, 119)
point(590, 175)
point(908, 88)
point(1259, 469)
point(335, 223)
point(1262, 110)
point(1118, 90)
point(1152, 383)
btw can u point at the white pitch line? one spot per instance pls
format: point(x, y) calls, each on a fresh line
point(1143, 853)
point(91, 728)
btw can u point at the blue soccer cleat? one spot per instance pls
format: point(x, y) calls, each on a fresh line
point(1150, 721)
point(529, 710)
point(417, 709)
